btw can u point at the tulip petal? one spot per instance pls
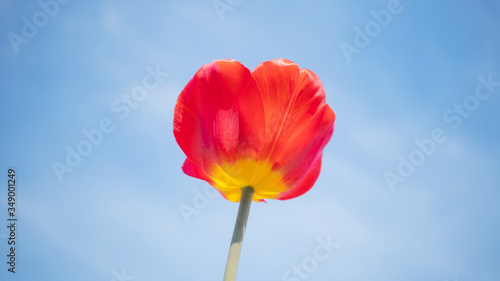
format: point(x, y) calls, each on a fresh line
point(190, 169)
point(301, 122)
point(218, 114)
point(218, 118)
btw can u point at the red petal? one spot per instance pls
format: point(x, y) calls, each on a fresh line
point(218, 115)
point(301, 155)
point(190, 169)
point(300, 123)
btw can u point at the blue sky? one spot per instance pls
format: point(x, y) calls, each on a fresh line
point(116, 213)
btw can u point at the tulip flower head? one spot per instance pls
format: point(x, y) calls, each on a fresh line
point(264, 128)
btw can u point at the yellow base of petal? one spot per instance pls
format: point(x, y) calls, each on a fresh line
point(229, 178)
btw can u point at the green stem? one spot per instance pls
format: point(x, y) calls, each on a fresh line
point(239, 230)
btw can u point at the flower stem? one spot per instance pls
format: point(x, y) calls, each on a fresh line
point(239, 230)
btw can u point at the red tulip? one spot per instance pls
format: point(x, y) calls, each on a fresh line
point(266, 128)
